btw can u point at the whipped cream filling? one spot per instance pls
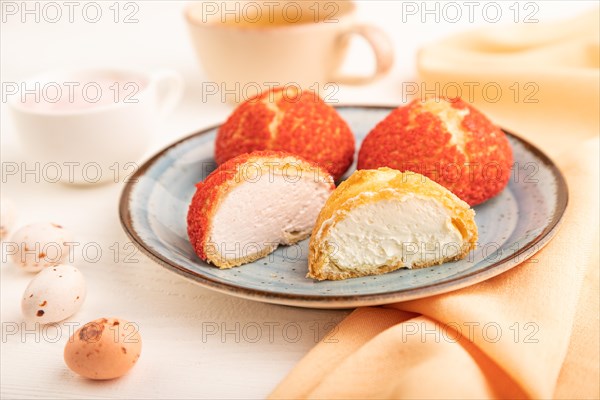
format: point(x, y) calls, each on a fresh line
point(256, 216)
point(412, 230)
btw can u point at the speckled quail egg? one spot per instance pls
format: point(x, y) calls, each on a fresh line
point(37, 246)
point(54, 294)
point(105, 348)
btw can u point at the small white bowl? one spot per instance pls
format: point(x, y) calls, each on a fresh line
point(90, 124)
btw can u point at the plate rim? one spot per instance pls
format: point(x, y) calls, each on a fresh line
point(354, 300)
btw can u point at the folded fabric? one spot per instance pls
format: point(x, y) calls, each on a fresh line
point(531, 332)
point(520, 75)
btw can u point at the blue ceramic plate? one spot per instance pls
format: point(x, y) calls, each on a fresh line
point(512, 227)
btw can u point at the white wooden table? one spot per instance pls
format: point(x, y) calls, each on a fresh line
point(196, 343)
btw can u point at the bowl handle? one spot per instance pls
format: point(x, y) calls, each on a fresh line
point(382, 49)
point(169, 89)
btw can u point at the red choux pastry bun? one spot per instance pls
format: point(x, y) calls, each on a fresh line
point(291, 120)
point(446, 140)
point(253, 203)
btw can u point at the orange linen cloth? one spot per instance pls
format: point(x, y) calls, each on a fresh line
point(532, 332)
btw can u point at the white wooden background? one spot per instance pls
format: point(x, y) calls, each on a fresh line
point(179, 358)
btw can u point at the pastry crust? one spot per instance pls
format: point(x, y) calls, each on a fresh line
point(446, 140)
point(292, 120)
point(211, 192)
point(370, 186)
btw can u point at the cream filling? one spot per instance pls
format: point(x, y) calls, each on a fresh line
point(412, 230)
point(258, 215)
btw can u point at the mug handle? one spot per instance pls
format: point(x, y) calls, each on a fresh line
point(382, 49)
point(169, 89)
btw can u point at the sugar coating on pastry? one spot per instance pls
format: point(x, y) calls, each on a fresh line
point(381, 220)
point(291, 120)
point(449, 141)
point(253, 203)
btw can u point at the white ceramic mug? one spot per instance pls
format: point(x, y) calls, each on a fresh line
point(92, 125)
point(267, 42)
